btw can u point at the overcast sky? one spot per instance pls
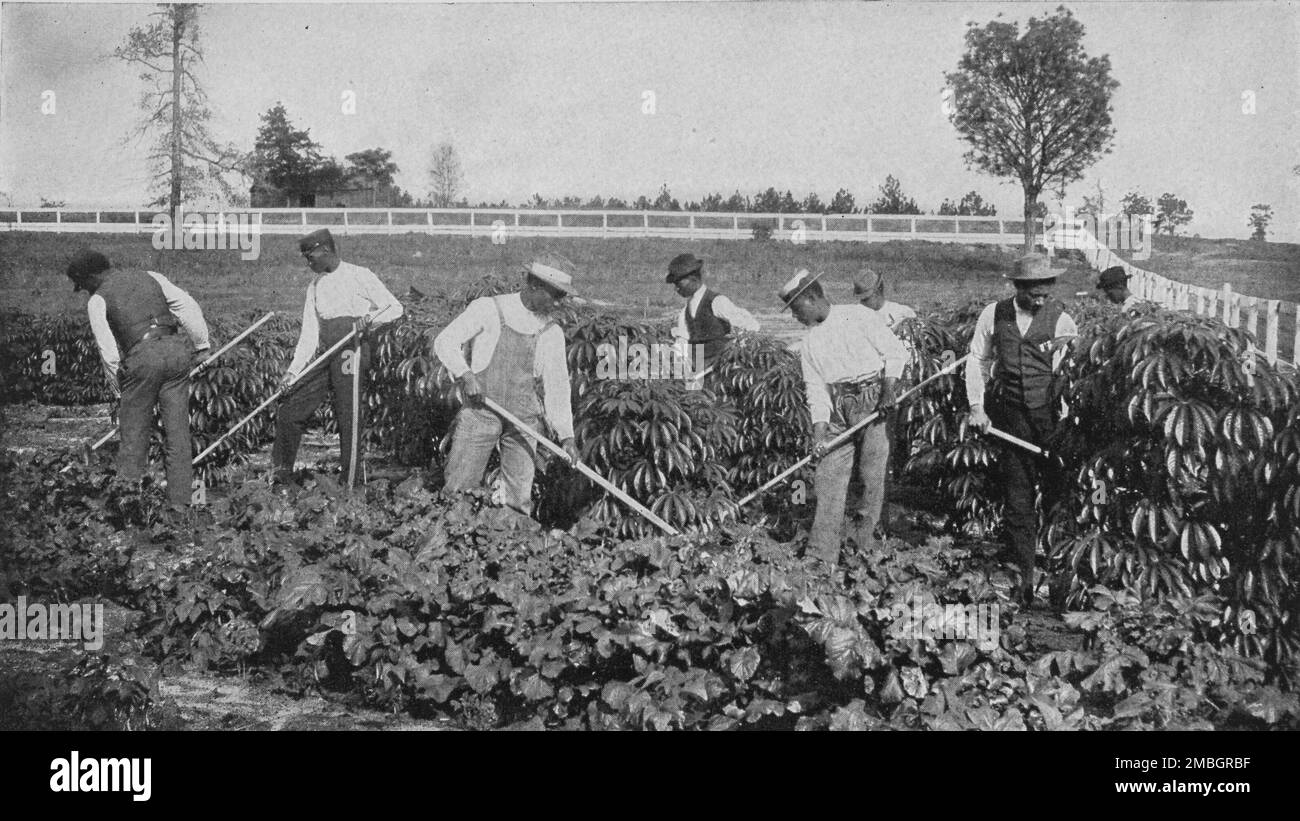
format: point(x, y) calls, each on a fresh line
point(549, 98)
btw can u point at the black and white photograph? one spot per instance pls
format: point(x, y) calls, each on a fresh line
point(661, 366)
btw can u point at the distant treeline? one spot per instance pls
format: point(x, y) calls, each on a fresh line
point(892, 200)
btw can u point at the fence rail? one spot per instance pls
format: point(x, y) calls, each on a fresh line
point(1236, 310)
point(526, 222)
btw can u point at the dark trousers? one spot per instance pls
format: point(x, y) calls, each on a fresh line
point(156, 373)
point(305, 397)
point(1019, 471)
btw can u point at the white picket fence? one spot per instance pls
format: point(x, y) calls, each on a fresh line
point(527, 222)
point(1237, 310)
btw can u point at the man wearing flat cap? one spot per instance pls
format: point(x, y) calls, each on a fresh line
point(135, 316)
point(1113, 282)
point(851, 362)
point(343, 296)
point(513, 343)
point(706, 322)
point(1011, 383)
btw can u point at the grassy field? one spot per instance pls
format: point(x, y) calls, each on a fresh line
point(626, 273)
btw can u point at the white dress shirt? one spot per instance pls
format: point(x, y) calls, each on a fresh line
point(850, 345)
point(348, 290)
point(723, 308)
point(894, 313)
point(181, 305)
point(479, 322)
point(979, 368)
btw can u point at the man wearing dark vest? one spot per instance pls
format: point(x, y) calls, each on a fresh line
point(1016, 350)
point(134, 316)
point(513, 345)
point(341, 297)
point(708, 318)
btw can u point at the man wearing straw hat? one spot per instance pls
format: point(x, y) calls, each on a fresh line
point(134, 316)
point(851, 362)
point(341, 297)
point(513, 344)
point(1016, 350)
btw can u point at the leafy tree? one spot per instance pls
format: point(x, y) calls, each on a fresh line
point(284, 157)
point(1134, 204)
point(186, 160)
point(1093, 206)
point(712, 202)
point(1172, 213)
point(53, 203)
point(893, 200)
point(597, 202)
point(373, 167)
point(736, 203)
point(842, 203)
point(767, 202)
point(643, 203)
point(665, 201)
point(971, 205)
point(615, 202)
point(812, 204)
point(445, 176)
point(569, 202)
point(1034, 107)
point(1261, 214)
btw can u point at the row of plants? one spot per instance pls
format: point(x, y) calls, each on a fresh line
point(1181, 442)
point(405, 600)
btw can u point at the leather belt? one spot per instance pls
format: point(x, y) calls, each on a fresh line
point(157, 332)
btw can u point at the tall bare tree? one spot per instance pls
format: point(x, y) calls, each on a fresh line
point(445, 176)
point(1035, 106)
point(187, 161)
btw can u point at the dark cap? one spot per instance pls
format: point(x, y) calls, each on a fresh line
point(321, 236)
point(682, 266)
point(1113, 277)
point(86, 263)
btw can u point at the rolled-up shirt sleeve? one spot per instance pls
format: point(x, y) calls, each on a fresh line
point(186, 310)
point(980, 363)
point(308, 336)
point(449, 344)
point(109, 355)
point(550, 363)
point(385, 307)
point(1066, 331)
point(724, 308)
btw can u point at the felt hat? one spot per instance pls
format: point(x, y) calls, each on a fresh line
point(682, 266)
point(86, 263)
point(1113, 277)
point(797, 285)
point(321, 236)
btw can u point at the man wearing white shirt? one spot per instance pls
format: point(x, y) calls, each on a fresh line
point(513, 345)
point(1016, 352)
point(134, 316)
point(341, 297)
point(851, 363)
point(706, 322)
point(869, 287)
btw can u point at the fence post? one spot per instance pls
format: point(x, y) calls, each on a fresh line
point(823, 227)
point(604, 223)
point(1271, 317)
point(1225, 295)
point(645, 223)
point(913, 227)
point(1252, 315)
point(1295, 351)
